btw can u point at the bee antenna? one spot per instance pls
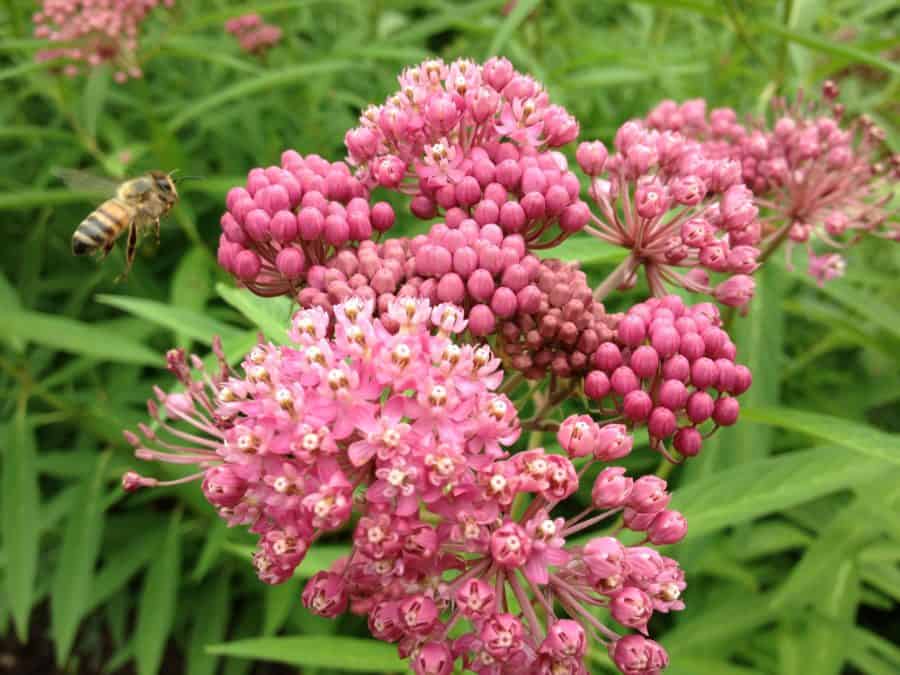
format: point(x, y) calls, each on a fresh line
point(184, 178)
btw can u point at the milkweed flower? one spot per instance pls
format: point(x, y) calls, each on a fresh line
point(293, 216)
point(473, 140)
point(93, 32)
point(671, 368)
point(825, 182)
point(683, 213)
point(253, 34)
point(404, 425)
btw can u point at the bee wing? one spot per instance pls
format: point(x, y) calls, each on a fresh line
point(84, 181)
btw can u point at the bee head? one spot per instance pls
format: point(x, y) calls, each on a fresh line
point(165, 184)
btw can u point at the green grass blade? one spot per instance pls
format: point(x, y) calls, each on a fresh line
point(76, 337)
point(21, 510)
point(861, 438)
point(210, 624)
point(355, 655)
point(193, 324)
point(841, 51)
point(520, 12)
point(271, 315)
point(72, 582)
point(765, 486)
point(156, 611)
point(250, 86)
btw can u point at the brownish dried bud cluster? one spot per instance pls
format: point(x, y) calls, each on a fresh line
point(567, 327)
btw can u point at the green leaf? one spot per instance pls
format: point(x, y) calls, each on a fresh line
point(156, 611)
point(271, 315)
point(21, 509)
point(861, 438)
point(841, 51)
point(607, 76)
point(216, 537)
point(719, 622)
point(588, 251)
point(194, 324)
point(73, 336)
point(208, 50)
point(24, 199)
point(759, 337)
point(72, 581)
point(866, 305)
point(815, 579)
point(757, 488)
point(9, 300)
point(519, 13)
point(702, 665)
point(351, 654)
point(210, 624)
point(246, 88)
point(122, 564)
point(95, 91)
point(278, 602)
point(192, 285)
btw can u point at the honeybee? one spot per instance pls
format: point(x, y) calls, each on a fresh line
point(137, 204)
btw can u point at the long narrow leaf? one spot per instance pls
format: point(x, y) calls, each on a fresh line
point(76, 337)
point(157, 609)
point(21, 509)
point(860, 438)
point(194, 324)
point(352, 654)
point(72, 583)
point(270, 315)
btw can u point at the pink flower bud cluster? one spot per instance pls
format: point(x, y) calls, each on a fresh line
point(290, 217)
point(473, 141)
point(253, 34)
point(406, 427)
point(93, 32)
point(543, 311)
point(684, 214)
point(559, 329)
point(819, 178)
point(672, 369)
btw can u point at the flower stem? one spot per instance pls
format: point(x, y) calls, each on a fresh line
point(616, 277)
point(775, 241)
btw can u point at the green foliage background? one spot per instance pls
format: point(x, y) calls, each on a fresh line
point(794, 544)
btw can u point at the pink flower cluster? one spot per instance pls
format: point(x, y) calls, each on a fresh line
point(94, 32)
point(253, 34)
point(673, 205)
point(671, 368)
point(294, 216)
point(542, 311)
point(407, 427)
point(473, 141)
point(818, 177)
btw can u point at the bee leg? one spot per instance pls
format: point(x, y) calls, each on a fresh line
point(129, 252)
point(156, 231)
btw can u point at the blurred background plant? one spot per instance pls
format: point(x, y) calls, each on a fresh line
point(794, 544)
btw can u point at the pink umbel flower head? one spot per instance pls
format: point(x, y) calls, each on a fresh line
point(671, 367)
point(254, 35)
point(680, 209)
point(93, 32)
point(823, 181)
point(473, 141)
point(290, 217)
point(399, 420)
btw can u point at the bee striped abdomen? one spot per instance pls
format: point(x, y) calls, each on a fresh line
point(101, 228)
